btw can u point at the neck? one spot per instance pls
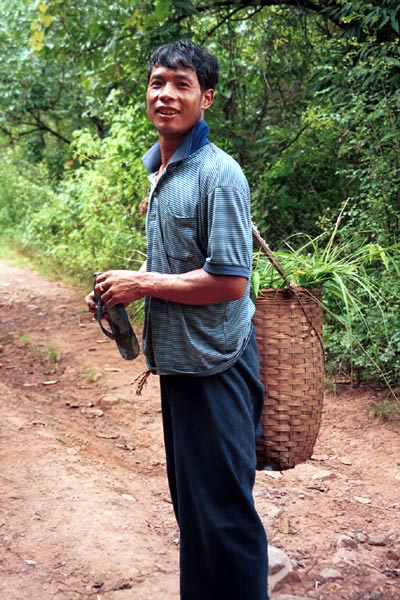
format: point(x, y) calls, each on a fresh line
point(168, 145)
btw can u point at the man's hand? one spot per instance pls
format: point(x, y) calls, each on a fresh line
point(118, 287)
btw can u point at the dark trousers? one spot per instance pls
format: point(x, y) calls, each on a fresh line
point(209, 431)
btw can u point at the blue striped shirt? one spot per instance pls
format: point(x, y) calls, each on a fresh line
point(198, 217)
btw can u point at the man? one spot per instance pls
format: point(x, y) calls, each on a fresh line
point(198, 335)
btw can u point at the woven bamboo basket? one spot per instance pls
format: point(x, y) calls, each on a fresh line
point(289, 338)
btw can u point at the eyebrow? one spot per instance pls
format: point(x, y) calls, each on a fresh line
point(177, 73)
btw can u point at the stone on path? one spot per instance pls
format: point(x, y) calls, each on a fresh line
point(279, 566)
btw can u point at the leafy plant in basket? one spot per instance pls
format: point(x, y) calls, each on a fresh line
point(336, 267)
point(340, 271)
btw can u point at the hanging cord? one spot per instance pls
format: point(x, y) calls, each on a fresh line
point(141, 381)
point(293, 287)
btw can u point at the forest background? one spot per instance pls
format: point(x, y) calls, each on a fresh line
point(308, 103)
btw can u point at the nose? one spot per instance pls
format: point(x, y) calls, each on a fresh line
point(167, 90)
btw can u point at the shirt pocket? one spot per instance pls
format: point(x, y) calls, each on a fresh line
point(180, 241)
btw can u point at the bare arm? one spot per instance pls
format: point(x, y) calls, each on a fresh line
point(194, 287)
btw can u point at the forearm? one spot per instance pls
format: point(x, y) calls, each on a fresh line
point(194, 287)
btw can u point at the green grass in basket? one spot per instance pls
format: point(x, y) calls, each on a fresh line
point(338, 269)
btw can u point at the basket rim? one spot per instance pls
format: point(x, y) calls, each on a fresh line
point(314, 293)
point(292, 289)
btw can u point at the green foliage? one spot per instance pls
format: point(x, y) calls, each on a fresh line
point(89, 222)
point(25, 188)
point(39, 103)
point(305, 176)
point(386, 409)
point(92, 223)
point(377, 353)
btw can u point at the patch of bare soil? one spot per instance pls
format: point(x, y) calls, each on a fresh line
point(84, 504)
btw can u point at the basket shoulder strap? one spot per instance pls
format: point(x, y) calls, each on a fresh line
point(270, 255)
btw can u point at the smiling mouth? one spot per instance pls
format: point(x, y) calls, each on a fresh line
point(167, 112)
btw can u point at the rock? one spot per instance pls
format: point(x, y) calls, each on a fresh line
point(107, 402)
point(361, 537)
point(283, 522)
point(307, 471)
point(320, 457)
point(362, 499)
point(377, 539)
point(343, 555)
point(30, 562)
point(345, 541)
point(393, 536)
point(345, 460)
point(273, 474)
point(92, 412)
point(107, 435)
point(299, 493)
point(128, 497)
point(393, 555)
point(279, 566)
point(271, 511)
point(329, 574)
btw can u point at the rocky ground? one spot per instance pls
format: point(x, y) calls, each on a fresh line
point(85, 510)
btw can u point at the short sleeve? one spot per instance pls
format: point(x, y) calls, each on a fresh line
point(229, 240)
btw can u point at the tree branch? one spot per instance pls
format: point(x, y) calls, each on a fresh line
point(323, 7)
point(43, 127)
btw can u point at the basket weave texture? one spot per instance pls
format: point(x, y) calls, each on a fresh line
point(292, 371)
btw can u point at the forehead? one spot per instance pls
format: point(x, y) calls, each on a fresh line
point(159, 71)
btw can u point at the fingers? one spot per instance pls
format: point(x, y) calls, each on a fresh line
point(101, 288)
point(102, 285)
point(115, 287)
point(106, 288)
point(91, 302)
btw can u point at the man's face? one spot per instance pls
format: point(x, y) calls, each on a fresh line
point(175, 102)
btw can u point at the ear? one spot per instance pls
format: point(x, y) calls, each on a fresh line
point(207, 99)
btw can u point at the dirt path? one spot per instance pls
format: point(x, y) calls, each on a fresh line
point(84, 505)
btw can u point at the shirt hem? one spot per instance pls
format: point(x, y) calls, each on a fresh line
point(207, 372)
point(226, 270)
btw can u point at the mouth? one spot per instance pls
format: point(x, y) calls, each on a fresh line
point(167, 112)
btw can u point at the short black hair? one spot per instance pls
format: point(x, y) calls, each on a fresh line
point(185, 54)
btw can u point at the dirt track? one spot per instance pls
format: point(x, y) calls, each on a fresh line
point(85, 510)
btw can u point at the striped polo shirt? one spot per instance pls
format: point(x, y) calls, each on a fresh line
point(198, 217)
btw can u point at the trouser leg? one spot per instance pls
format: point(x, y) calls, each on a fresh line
point(209, 428)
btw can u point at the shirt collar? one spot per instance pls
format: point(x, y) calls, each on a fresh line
point(195, 139)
